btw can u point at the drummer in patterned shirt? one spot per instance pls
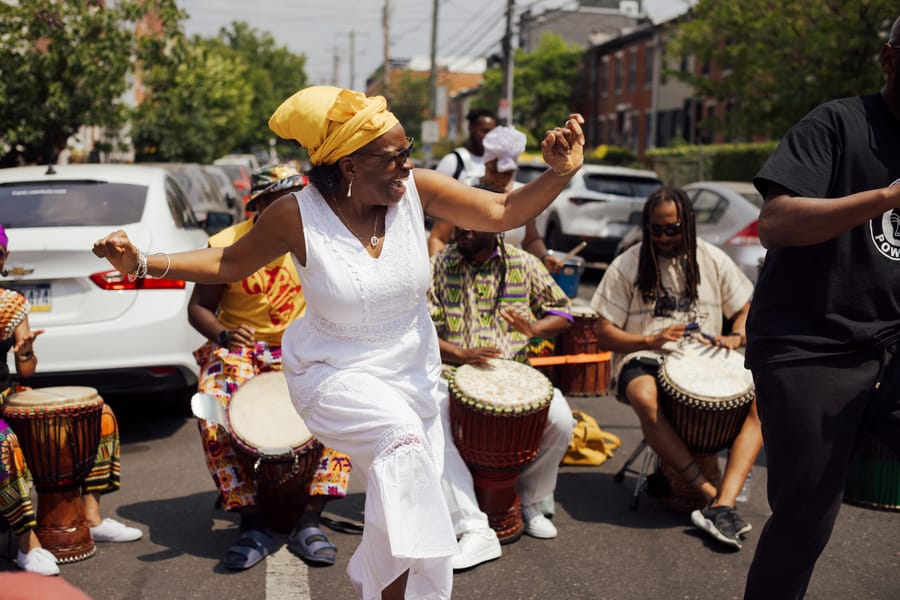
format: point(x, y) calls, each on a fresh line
point(487, 300)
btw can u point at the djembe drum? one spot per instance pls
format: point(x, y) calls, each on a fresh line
point(59, 432)
point(706, 393)
point(277, 448)
point(497, 415)
point(873, 480)
point(585, 372)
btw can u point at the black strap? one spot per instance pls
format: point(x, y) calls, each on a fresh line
point(459, 165)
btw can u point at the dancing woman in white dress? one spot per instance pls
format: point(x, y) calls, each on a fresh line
point(363, 365)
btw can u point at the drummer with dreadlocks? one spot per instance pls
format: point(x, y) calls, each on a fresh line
point(488, 299)
point(653, 295)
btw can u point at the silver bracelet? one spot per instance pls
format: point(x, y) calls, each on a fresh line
point(168, 266)
point(141, 270)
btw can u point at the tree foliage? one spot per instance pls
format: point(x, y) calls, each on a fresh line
point(410, 96)
point(542, 86)
point(273, 73)
point(196, 101)
point(62, 65)
point(781, 58)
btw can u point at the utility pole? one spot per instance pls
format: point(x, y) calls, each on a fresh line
point(386, 75)
point(336, 61)
point(352, 58)
point(432, 76)
point(506, 102)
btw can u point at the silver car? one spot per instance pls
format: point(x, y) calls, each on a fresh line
point(102, 330)
point(727, 213)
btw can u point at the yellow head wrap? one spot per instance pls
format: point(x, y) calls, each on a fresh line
point(330, 122)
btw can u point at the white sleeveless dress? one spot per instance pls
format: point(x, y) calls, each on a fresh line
point(363, 367)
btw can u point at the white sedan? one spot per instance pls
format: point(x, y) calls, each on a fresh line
point(102, 330)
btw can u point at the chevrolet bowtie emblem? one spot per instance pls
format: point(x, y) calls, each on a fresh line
point(19, 271)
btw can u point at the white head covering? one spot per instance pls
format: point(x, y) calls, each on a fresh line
point(504, 144)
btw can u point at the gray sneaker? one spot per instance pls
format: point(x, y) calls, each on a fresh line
point(741, 527)
point(719, 523)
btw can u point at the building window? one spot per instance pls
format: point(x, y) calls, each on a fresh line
point(604, 77)
point(635, 131)
point(632, 71)
point(618, 74)
point(648, 130)
point(648, 66)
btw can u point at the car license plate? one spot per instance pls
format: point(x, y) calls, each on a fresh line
point(38, 295)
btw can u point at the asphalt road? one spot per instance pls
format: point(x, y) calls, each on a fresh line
point(604, 550)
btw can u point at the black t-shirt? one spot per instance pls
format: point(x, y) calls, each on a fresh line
point(842, 295)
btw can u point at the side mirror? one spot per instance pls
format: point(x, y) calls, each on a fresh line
point(216, 221)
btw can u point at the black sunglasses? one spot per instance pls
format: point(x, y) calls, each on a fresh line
point(399, 158)
point(668, 229)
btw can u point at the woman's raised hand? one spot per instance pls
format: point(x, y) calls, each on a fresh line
point(563, 146)
point(119, 251)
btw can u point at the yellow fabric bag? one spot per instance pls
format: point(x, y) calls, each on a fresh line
point(589, 445)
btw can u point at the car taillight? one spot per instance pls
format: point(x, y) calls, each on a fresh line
point(113, 280)
point(748, 236)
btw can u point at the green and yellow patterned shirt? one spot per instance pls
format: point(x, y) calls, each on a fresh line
point(462, 297)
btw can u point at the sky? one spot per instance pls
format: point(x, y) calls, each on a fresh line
point(325, 29)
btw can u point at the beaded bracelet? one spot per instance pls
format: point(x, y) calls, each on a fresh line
point(141, 270)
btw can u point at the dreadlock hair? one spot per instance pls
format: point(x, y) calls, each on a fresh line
point(326, 178)
point(648, 277)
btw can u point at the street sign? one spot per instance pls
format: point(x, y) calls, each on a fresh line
point(431, 132)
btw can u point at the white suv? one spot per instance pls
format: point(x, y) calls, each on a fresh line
point(101, 330)
point(598, 206)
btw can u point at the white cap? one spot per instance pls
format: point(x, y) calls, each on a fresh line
point(504, 144)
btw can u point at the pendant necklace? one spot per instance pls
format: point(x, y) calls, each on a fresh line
point(373, 241)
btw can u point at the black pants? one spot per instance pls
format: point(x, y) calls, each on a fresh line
point(812, 413)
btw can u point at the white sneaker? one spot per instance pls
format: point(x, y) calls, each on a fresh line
point(38, 560)
point(476, 547)
point(111, 530)
point(536, 524)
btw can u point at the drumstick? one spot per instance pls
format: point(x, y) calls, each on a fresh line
point(574, 251)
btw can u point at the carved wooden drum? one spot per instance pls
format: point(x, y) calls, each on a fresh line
point(585, 372)
point(497, 415)
point(59, 432)
point(278, 449)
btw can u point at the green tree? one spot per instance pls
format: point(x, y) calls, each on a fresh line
point(781, 58)
point(273, 73)
point(542, 86)
point(410, 96)
point(196, 102)
point(62, 65)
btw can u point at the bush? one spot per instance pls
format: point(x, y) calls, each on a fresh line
point(721, 162)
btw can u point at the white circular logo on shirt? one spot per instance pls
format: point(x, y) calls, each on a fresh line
point(886, 232)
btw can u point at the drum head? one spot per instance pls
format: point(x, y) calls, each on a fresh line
point(502, 386)
point(579, 311)
point(707, 373)
point(55, 398)
point(262, 416)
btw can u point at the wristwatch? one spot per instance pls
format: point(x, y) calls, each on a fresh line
point(224, 337)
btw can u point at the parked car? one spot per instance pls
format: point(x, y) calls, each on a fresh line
point(595, 207)
point(222, 182)
point(102, 330)
point(240, 177)
point(202, 194)
point(246, 160)
point(726, 214)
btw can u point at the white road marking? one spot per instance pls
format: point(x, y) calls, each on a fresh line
point(287, 577)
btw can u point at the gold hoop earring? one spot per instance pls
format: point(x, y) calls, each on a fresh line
point(350, 188)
